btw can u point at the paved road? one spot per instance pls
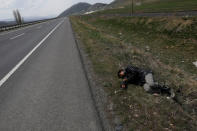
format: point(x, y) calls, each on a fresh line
point(49, 91)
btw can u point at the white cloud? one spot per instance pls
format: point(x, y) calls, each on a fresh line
point(6, 3)
point(38, 8)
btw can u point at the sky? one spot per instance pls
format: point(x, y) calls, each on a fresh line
point(38, 8)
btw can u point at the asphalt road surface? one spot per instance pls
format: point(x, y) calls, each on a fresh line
point(43, 86)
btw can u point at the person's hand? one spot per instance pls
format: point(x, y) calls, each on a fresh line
point(123, 86)
point(125, 79)
point(155, 94)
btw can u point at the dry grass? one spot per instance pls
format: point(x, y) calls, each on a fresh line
point(115, 42)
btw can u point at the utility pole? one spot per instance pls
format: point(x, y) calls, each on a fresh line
point(132, 8)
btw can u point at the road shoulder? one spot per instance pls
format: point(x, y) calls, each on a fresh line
point(98, 94)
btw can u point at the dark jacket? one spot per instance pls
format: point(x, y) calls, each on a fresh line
point(135, 75)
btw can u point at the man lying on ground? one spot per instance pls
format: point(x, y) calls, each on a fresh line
point(141, 77)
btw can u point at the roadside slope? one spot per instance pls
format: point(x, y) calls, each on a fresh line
point(165, 45)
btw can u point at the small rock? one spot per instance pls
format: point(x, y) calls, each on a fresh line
point(111, 106)
point(117, 91)
point(168, 97)
point(154, 113)
point(136, 115)
point(171, 124)
point(147, 48)
point(167, 129)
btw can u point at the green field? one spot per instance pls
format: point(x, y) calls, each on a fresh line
point(157, 6)
point(165, 45)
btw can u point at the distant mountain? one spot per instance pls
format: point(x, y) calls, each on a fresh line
point(36, 18)
point(2, 23)
point(6, 23)
point(79, 8)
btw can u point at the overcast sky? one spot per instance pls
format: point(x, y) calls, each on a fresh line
point(38, 8)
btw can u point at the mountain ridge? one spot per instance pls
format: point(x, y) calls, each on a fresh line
point(78, 8)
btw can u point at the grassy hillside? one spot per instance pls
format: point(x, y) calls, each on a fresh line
point(152, 6)
point(165, 45)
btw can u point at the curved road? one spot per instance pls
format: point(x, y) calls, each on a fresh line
point(43, 86)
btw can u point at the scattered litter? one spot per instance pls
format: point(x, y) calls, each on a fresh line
point(195, 63)
point(119, 128)
point(168, 97)
point(117, 122)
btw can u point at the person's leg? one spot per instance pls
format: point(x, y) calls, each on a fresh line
point(149, 82)
point(153, 87)
point(147, 87)
point(149, 79)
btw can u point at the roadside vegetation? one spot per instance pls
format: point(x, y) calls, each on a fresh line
point(124, 7)
point(165, 45)
point(17, 17)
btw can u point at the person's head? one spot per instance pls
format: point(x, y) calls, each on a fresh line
point(121, 73)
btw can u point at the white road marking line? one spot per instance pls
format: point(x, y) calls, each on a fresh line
point(5, 78)
point(17, 36)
